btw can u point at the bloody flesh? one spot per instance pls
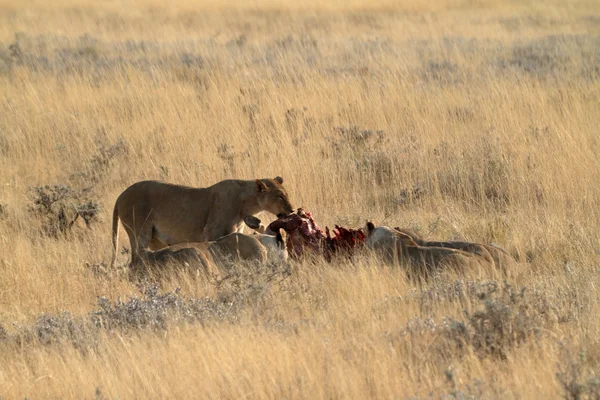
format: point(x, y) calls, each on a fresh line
point(304, 234)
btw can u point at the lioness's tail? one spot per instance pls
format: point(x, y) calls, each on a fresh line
point(115, 236)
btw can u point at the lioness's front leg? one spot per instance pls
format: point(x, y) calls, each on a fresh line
point(217, 224)
point(215, 229)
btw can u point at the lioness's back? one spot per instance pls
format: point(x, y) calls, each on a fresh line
point(145, 190)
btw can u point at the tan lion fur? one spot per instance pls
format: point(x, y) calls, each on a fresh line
point(157, 214)
point(496, 255)
point(400, 248)
point(212, 257)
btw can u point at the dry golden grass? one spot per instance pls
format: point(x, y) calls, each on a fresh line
point(463, 119)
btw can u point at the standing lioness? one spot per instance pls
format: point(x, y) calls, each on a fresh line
point(157, 214)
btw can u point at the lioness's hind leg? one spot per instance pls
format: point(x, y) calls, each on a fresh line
point(140, 241)
point(138, 223)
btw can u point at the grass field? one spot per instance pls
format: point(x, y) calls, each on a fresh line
point(475, 120)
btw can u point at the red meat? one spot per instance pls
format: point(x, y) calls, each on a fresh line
point(304, 233)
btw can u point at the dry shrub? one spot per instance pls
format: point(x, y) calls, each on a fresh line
point(442, 73)
point(153, 311)
point(100, 164)
point(246, 288)
point(63, 328)
point(365, 151)
point(578, 377)
point(482, 172)
point(251, 284)
point(503, 318)
point(508, 319)
point(58, 207)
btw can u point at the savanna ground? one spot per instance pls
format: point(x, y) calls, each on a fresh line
point(462, 119)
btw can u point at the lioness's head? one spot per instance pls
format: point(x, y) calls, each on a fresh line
point(375, 233)
point(272, 196)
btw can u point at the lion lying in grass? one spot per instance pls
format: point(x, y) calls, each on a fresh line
point(156, 214)
point(495, 255)
point(211, 258)
point(399, 248)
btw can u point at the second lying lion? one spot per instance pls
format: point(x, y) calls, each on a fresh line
point(492, 253)
point(211, 257)
point(399, 247)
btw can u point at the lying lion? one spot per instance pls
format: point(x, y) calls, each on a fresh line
point(495, 255)
point(398, 247)
point(156, 214)
point(180, 256)
point(212, 257)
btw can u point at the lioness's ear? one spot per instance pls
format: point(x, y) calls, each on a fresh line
point(260, 186)
point(370, 226)
point(279, 179)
